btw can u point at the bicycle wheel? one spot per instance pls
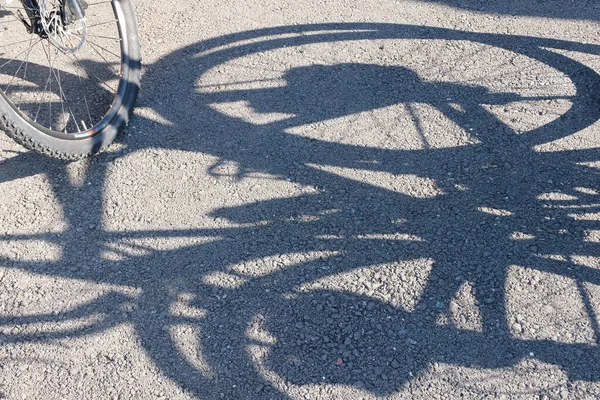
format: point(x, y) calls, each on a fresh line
point(67, 86)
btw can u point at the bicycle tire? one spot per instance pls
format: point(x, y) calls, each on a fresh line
point(25, 130)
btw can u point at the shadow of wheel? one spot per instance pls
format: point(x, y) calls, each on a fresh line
point(304, 351)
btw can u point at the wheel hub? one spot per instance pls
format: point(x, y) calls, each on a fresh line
point(59, 25)
point(62, 28)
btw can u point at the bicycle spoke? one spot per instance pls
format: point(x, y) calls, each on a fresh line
point(93, 46)
point(20, 66)
point(103, 23)
point(42, 94)
point(92, 74)
point(63, 98)
point(105, 37)
point(11, 14)
point(98, 3)
point(12, 44)
point(85, 101)
point(25, 72)
point(12, 60)
point(50, 88)
point(87, 107)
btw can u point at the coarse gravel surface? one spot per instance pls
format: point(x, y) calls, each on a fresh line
point(322, 200)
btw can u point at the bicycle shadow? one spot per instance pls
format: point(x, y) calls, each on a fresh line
point(297, 334)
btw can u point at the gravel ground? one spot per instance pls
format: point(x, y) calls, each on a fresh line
point(322, 200)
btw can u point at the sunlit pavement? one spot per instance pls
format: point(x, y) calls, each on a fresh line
point(389, 199)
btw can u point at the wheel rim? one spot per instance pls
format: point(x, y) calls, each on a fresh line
point(66, 95)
